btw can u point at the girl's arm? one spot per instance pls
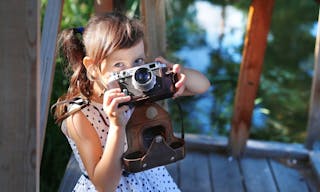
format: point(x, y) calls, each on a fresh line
point(103, 166)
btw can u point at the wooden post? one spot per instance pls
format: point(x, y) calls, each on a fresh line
point(253, 54)
point(19, 95)
point(102, 6)
point(313, 130)
point(50, 30)
point(153, 17)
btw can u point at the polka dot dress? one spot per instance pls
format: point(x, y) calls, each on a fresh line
point(153, 180)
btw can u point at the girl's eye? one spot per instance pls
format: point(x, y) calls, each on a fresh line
point(118, 65)
point(138, 62)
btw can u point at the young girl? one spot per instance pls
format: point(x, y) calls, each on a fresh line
point(96, 133)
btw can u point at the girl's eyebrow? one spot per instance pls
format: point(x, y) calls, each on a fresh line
point(141, 56)
point(116, 59)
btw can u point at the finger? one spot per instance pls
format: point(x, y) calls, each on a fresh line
point(120, 111)
point(181, 81)
point(116, 101)
point(179, 92)
point(108, 93)
point(115, 90)
point(176, 68)
point(109, 97)
point(162, 60)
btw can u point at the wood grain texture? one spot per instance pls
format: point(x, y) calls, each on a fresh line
point(315, 163)
point(313, 130)
point(173, 169)
point(153, 17)
point(226, 175)
point(259, 19)
point(103, 6)
point(19, 95)
point(257, 175)
point(50, 30)
point(194, 173)
point(288, 179)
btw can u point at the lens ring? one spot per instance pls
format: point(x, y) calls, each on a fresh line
point(143, 79)
point(142, 75)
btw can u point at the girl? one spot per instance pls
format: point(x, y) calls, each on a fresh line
point(96, 133)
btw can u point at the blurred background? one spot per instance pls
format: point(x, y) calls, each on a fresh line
point(208, 36)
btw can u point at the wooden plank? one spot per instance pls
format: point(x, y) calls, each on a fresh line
point(194, 173)
point(257, 175)
point(173, 169)
point(225, 173)
point(153, 17)
point(315, 163)
point(19, 95)
point(50, 30)
point(288, 179)
point(250, 70)
point(276, 149)
point(219, 144)
point(71, 175)
point(313, 130)
point(206, 143)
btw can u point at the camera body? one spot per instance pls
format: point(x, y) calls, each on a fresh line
point(146, 83)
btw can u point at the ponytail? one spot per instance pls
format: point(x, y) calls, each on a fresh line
point(71, 46)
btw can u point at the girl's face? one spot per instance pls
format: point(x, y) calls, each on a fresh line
point(123, 59)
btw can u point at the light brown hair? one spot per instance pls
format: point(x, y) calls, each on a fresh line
point(103, 35)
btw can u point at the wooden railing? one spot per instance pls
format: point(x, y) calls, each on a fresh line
point(259, 19)
point(313, 130)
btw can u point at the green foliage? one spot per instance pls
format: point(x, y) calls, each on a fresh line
point(76, 13)
point(286, 79)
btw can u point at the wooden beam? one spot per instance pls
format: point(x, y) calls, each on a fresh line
point(103, 6)
point(153, 17)
point(50, 30)
point(250, 70)
point(19, 95)
point(270, 149)
point(313, 130)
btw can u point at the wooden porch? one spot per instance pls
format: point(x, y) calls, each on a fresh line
point(213, 170)
point(266, 166)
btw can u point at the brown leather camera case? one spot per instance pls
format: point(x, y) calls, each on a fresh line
point(150, 139)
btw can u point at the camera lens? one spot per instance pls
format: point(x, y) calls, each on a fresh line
point(143, 79)
point(142, 75)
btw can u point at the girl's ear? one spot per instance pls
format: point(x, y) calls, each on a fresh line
point(87, 62)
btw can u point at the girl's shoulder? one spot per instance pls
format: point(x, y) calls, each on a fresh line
point(74, 114)
point(83, 113)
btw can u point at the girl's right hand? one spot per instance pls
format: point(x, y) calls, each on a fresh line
point(118, 116)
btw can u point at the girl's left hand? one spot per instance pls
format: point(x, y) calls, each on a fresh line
point(176, 68)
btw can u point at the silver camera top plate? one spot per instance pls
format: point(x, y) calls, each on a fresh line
point(131, 71)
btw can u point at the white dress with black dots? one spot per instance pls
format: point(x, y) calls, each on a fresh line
point(153, 180)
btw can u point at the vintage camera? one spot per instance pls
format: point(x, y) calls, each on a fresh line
point(146, 83)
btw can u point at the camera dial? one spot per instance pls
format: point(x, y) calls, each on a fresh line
point(143, 79)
